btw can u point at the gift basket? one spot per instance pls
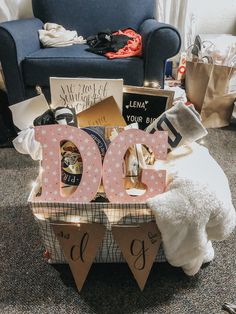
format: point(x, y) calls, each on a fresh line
point(99, 210)
point(103, 183)
point(81, 148)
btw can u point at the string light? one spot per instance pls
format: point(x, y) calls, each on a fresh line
point(34, 184)
point(75, 219)
point(153, 84)
point(41, 170)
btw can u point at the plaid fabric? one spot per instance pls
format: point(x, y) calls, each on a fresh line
point(104, 213)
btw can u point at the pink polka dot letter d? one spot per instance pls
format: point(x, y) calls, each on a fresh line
point(51, 136)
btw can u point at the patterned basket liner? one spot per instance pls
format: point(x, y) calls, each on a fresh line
point(105, 213)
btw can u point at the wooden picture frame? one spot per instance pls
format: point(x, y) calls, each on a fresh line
point(144, 104)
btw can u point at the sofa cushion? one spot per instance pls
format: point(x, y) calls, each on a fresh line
point(89, 17)
point(75, 61)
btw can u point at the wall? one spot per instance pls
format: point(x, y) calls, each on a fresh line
point(14, 9)
point(193, 17)
point(25, 8)
point(215, 16)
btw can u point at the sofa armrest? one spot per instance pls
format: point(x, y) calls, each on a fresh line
point(18, 39)
point(160, 42)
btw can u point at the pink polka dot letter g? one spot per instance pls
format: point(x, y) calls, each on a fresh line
point(113, 177)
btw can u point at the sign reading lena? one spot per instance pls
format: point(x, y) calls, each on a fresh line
point(143, 105)
point(51, 136)
point(142, 109)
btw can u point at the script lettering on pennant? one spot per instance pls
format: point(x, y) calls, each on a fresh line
point(80, 244)
point(50, 136)
point(139, 246)
point(113, 175)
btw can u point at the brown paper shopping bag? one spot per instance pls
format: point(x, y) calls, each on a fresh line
point(206, 87)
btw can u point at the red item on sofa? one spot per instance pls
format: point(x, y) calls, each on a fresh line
point(133, 48)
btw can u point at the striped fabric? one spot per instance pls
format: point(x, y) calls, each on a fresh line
point(105, 213)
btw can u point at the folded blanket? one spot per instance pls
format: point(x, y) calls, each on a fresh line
point(196, 208)
point(54, 35)
point(183, 124)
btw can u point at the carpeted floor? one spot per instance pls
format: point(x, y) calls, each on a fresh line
point(29, 285)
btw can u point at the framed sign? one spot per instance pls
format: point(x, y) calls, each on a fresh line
point(143, 105)
point(82, 93)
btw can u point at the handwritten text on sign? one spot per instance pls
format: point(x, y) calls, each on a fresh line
point(80, 93)
point(139, 246)
point(143, 109)
point(50, 136)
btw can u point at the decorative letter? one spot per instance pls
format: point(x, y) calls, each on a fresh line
point(113, 162)
point(50, 136)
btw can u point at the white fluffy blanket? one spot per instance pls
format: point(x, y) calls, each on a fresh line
point(196, 208)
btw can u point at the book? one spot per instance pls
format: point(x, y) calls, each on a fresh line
point(104, 113)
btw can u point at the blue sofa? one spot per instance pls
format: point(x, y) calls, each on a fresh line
point(27, 64)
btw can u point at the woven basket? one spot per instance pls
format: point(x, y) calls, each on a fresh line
point(107, 214)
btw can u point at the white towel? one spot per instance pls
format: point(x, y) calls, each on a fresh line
point(196, 208)
point(54, 35)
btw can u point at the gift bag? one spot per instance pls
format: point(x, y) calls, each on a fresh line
point(207, 88)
